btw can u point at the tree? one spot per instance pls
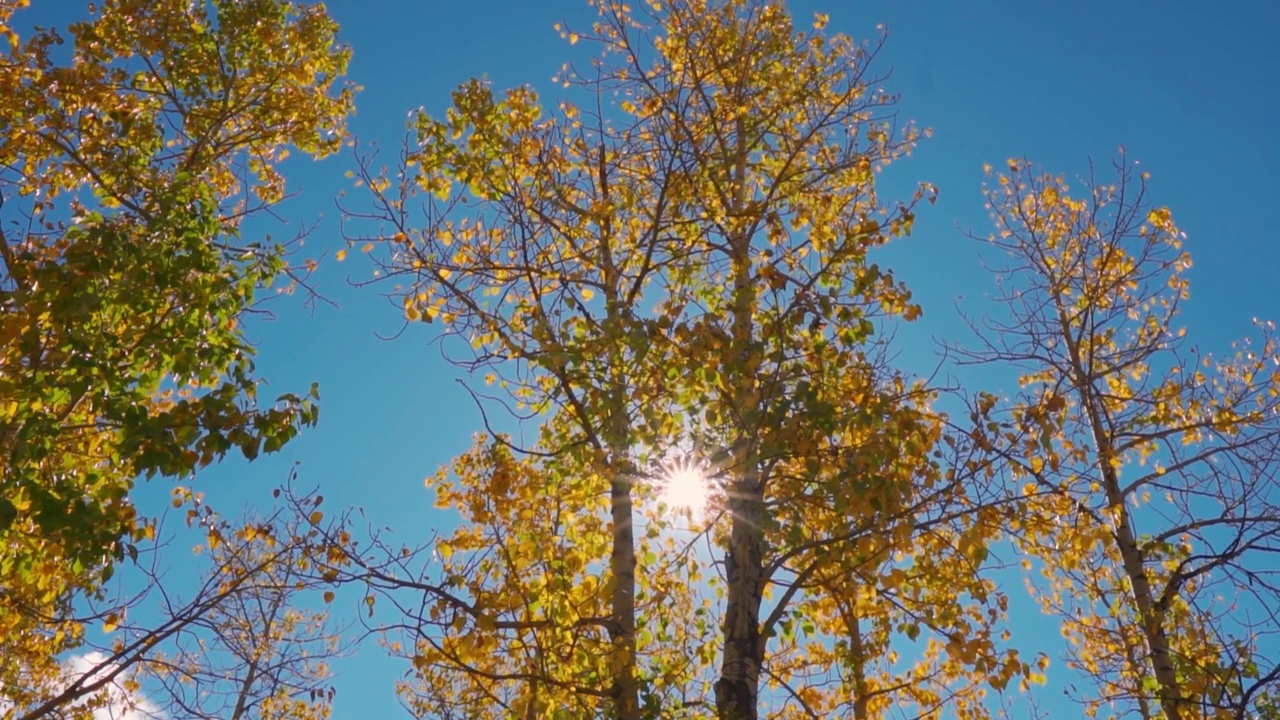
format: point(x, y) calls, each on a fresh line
point(235, 642)
point(1149, 467)
point(684, 268)
point(125, 175)
point(262, 651)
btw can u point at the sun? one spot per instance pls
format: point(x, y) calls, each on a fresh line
point(684, 485)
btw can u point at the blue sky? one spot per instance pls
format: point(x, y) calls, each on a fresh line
point(1186, 87)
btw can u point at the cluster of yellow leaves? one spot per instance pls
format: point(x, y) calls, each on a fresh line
point(523, 595)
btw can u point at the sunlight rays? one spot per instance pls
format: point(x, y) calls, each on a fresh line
point(684, 485)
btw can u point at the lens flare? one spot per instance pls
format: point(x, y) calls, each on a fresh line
point(685, 486)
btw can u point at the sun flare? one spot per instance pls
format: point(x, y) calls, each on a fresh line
point(685, 486)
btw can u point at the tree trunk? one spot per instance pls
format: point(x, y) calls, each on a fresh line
point(622, 559)
point(738, 687)
point(1169, 694)
point(737, 690)
point(622, 564)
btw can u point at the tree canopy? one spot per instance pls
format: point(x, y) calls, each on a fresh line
point(126, 172)
point(671, 273)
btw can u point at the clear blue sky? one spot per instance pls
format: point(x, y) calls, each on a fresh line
point(1187, 87)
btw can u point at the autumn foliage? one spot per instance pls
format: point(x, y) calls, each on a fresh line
point(126, 170)
point(687, 269)
point(665, 266)
point(1149, 466)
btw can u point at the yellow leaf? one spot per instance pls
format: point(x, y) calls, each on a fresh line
point(328, 596)
point(1037, 464)
point(341, 255)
